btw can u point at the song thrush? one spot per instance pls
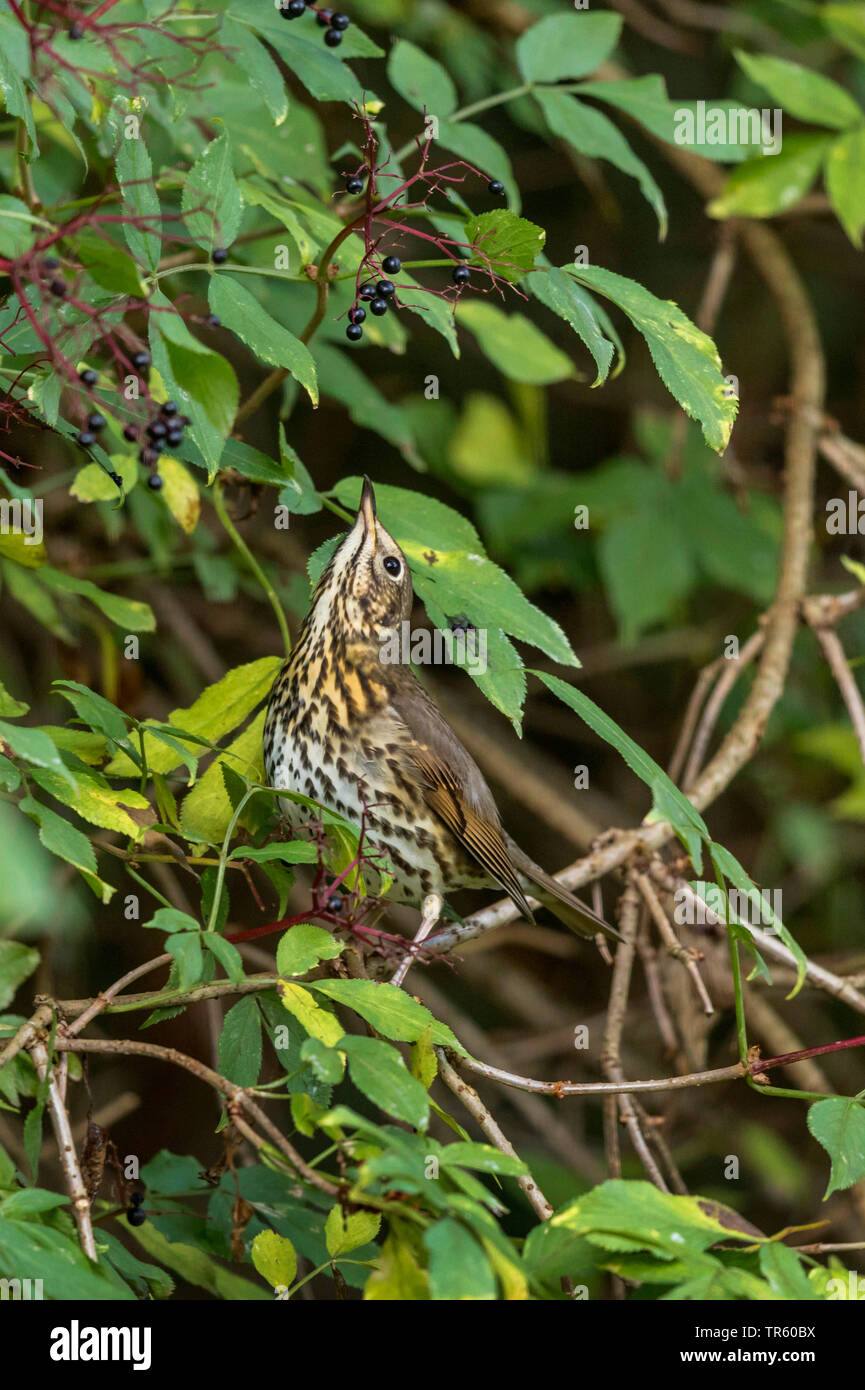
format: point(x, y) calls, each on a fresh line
point(362, 737)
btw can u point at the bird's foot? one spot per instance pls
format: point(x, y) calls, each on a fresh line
point(431, 911)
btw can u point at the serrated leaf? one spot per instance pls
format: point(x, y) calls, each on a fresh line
point(806, 94)
point(347, 1231)
point(242, 312)
point(303, 946)
point(772, 183)
point(504, 243)
point(211, 200)
point(390, 1010)
point(845, 182)
point(514, 344)
point(274, 1258)
point(318, 1022)
point(240, 1042)
point(135, 176)
point(839, 1125)
point(686, 358)
point(378, 1070)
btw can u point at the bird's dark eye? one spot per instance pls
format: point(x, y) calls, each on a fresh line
point(392, 565)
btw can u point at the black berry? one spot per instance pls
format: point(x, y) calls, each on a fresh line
point(50, 263)
point(385, 289)
point(157, 430)
point(154, 482)
point(367, 290)
point(461, 275)
point(392, 264)
point(130, 432)
point(148, 457)
point(136, 1199)
point(88, 376)
point(496, 186)
point(97, 422)
point(134, 1216)
point(339, 21)
point(76, 31)
point(213, 321)
point(175, 437)
point(335, 903)
point(220, 255)
point(294, 9)
point(141, 360)
point(354, 185)
point(354, 332)
point(378, 307)
point(86, 438)
point(184, 421)
point(357, 315)
point(323, 18)
point(333, 38)
point(169, 408)
point(58, 287)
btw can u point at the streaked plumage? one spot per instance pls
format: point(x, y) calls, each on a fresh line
point(354, 733)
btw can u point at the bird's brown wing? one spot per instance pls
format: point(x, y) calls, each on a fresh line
point(453, 786)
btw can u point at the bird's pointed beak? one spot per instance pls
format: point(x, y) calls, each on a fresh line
point(366, 510)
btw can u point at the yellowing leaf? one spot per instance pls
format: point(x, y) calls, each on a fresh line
point(344, 1232)
point(274, 1258)
point(207, 810)
point(180, 493)
point(318, 1022)
point(18, 546)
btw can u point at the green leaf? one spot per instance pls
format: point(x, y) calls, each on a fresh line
point(35, 747)
point(196, 1267)
point(772, 183)
point(458, 1268)
point(567, 45)
point(32, 1250)
point(10, 708)
point(274, 1258)
point(108, 265)
point(127, 613)
point(326, 1062)
point(289, 851)
point(513, 344)
point(226, 953)
point(805, 94)
point(207, 809)
point(592, 134)
point(17, 962)
point(344, 1231)
point(783, 1271)
point(839, 1125)
point(15, 97)
point(17, 223)
point(242, 313)
point(377, 1069)
point(211, 200)
point(645, 98)
point(240, 1042)
point(202, 382)
point(420, 80)
point(92, 484)
point(845, 182)
point(185, 947)
point(324, 76)
point(303, 946)
point(503, 243)
point(576, 306)
point(219, 709)
point(135, 176)
point(171, 919)
point(686, 358)
point(62, 839)
point(253, 59)
point(390, 1010)
point(483, 1158)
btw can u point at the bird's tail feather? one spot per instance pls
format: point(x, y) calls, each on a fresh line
point(570, 910)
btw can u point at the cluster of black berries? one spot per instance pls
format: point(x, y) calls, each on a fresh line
point(134, 1215)
point(378, 295)
point(165, 432)
point(334, 23)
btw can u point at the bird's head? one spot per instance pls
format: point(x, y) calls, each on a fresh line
point(367, 584)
